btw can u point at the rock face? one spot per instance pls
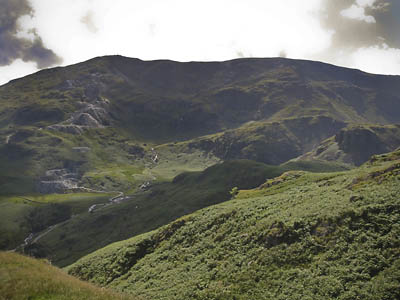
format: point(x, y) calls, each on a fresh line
point(57, 181)
point(81, 149)
point(354, 145)
point(270, 142)
point(90, 116)
point(92, 110)
point(361, 142)
point(72, 129)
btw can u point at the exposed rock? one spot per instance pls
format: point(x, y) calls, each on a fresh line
point(354, 145)
point(89, 116)
point(81, 149)
point(57, 186)
point(56, 173)
point(98, 113)
point(57, 181)
point(72, 129)
point(84, 119)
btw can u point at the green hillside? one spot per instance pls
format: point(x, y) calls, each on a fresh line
point(23, 278)
point(157, 206)
point(299, 236)
point(20, 216)
point(114, 147)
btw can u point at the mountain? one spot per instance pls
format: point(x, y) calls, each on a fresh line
point(83, 145)
point(250, 178)
point(95, 117)
point(298, 236)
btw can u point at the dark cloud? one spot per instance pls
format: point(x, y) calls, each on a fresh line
point(388, 23)
point(13, 47)
point(351, 34)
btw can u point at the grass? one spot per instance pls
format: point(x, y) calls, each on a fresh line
point(20, 216)
point(145, 211)
point(23, 278)
point(305, 236)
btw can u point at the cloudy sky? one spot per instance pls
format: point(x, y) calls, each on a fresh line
point(36, 34)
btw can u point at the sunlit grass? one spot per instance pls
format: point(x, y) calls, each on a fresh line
point(26, 278)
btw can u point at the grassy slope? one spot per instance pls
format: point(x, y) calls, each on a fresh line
point(302, 236)
point(19, 216)
point(160, 205)
point(23, 278)
point(164, 203)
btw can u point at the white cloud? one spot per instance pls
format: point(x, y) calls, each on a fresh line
point(365, 3)
point(180, 29)
point(183, 30)
point(357, 12)
point(17, 69)
point(377, 59)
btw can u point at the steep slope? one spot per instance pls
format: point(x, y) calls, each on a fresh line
point(299, 236)
point(268, 142)
point(355, 144)
point(26, 278)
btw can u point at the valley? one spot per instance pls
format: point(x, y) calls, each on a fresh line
point(214, 180)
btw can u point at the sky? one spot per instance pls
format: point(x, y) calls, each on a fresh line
point(37, 34)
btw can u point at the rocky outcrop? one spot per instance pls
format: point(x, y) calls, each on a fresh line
point(71, 129)
point(92, 110)
point(81, 149)
point(270, 142)
point(89, 116)
point(354, 145)
point(57, 181)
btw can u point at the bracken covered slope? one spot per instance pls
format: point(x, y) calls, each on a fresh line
point(161, 204)
point(298, 236)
